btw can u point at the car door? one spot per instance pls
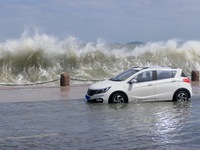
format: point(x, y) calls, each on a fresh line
point(143, 88)
point(165, 84)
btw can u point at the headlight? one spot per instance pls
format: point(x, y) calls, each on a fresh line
point(93, 92)
point(103, 90)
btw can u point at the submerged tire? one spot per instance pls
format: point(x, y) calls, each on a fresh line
point(181, 96)
point(118, 97)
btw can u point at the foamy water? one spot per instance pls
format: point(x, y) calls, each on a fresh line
point(41, 57)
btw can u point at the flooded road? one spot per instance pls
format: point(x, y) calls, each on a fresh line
point(67, 122)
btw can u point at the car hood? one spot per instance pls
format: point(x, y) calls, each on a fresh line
point(104, 84)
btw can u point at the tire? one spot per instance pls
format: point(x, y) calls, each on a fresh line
point(181, 96)
point(118, 97)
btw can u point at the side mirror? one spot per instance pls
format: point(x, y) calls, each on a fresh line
point(132, 81)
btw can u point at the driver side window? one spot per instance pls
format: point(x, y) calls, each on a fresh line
point(144, 77)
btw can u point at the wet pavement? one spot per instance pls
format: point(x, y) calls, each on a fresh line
point(41, 93)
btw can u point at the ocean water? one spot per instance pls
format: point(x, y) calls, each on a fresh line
point(41, 58)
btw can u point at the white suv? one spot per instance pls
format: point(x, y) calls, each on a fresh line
point(142, 84)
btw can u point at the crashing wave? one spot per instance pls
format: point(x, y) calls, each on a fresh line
point(42, 57)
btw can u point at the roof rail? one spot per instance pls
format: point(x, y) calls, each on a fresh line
point(146, 67)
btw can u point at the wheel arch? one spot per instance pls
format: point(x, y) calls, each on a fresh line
point(122, 92)
point(181, 89)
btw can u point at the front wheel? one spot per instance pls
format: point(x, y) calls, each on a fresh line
point(118, 98)
point(181, 96)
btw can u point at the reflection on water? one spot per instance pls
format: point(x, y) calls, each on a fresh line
point(75, 124)
point(148, 125)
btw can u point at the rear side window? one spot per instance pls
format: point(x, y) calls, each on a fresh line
point(165, 74)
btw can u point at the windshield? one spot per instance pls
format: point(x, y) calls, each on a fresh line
point(124, 75)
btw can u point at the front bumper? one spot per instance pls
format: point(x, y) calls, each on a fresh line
point(94, 99)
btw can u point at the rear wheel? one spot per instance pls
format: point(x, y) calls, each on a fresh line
point(181, 96)
point(118, 98)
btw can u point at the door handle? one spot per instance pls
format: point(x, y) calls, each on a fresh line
point(149, 84)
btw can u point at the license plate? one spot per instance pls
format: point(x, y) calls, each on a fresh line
point(87, 97)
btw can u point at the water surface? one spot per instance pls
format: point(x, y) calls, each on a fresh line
point(75, 124)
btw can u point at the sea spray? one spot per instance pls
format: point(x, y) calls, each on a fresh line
point(41, 58)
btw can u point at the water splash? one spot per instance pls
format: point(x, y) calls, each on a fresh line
point(41, 57)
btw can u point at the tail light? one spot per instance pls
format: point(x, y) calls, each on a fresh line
point(186, 80)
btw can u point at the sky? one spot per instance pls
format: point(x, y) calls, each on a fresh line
point(112, 20)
